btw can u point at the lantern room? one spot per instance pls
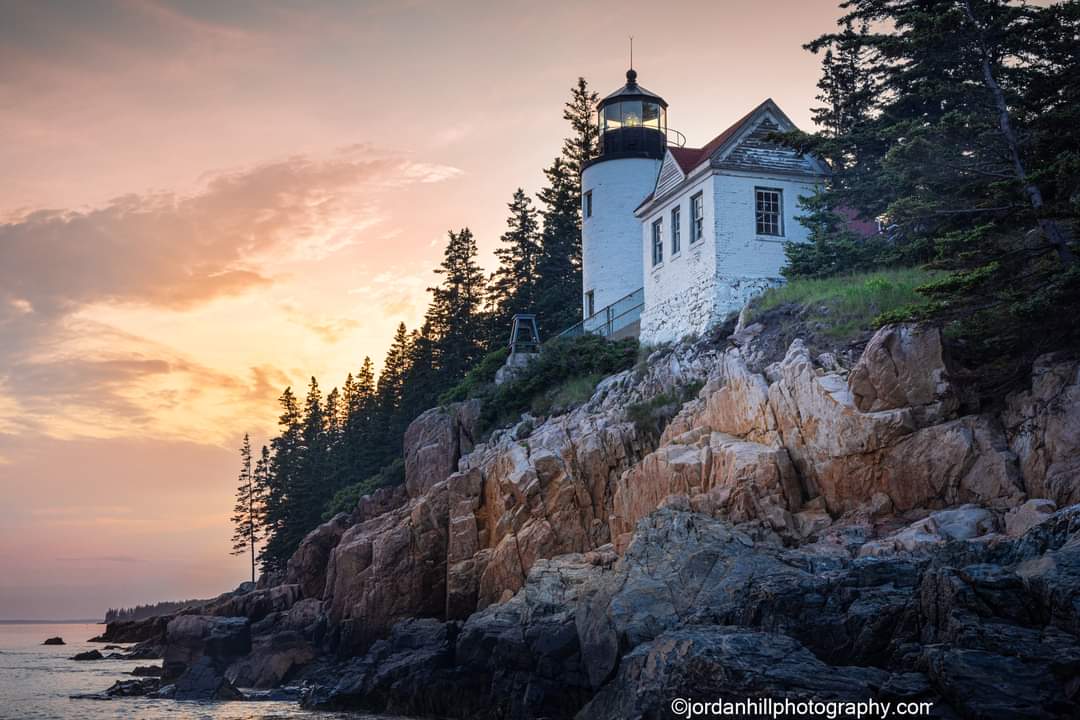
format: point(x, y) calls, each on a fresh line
point(632, 122)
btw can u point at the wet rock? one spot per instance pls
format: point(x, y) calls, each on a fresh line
point(717, 662)
point(88, 655)
point(54, 641)
point(191, 638)
point(203, 680)
point(147, 671)
point(133, 688)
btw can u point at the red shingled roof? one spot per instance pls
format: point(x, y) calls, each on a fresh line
point(689, 158)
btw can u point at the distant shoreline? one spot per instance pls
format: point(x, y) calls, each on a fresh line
point(94, 621)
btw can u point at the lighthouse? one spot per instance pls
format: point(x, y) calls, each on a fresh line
point(633, 139)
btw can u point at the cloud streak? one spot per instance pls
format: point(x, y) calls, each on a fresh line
point(63, 373)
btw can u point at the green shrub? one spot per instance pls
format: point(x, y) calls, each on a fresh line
point(652, 416)
point(477, 378)
point(574, 391)
point(585, 359)
point(848, 304)
point(347, 498)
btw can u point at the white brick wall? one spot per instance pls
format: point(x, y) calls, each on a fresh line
point(688, 293)
point(610, 239)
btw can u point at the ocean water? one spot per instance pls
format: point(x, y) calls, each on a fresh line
point(36, 682)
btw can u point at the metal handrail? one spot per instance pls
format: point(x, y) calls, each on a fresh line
point(604, 322)
point(678, 141)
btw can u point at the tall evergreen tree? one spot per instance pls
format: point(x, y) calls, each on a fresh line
point(956, 157)
point(282, 481)
point(455, 318)
point(312, 489)
point(360, 450)
point(583, 143)
point(392, 378)
point(247, 513)
point(512, 289)
point(558, 293)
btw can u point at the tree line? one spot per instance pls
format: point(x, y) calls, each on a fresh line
point(334, 446)
point(956, 123)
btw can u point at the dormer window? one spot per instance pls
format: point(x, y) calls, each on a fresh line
point(768, 210)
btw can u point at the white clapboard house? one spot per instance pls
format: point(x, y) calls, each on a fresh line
point(675, 238)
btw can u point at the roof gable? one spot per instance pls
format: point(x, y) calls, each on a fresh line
point(747, 146)
point(672, 172)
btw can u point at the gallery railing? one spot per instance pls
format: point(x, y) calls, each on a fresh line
point(612, 319)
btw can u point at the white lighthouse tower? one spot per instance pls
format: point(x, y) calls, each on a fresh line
point(633, 139)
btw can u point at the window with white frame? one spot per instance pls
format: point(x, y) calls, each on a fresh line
point(676, 229)
point(586, 203)
point(658, 242)
point(697, 218)
point(590, 304)
point(768, 210)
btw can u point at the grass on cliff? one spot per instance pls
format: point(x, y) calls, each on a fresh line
point(347, 498)
point(563, 375)
point(848, 304)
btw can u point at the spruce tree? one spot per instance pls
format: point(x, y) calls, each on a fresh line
point(512, 289)
point(969, 154)
point(312, 489)
point(282, 480)
point(583, 143)
point(455, 319)
point(247, 513)
point(558, 292)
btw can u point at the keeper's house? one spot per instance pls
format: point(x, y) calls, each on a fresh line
point(676, 238)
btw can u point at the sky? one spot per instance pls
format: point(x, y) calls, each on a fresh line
point(204, 202)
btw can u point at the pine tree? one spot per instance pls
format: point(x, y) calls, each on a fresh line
point(360, 450)
point(282, 481)
point(583, 143)
point(247, 513)
point(455, 318)
point(512, 289)
point(392, 378)
point(957, 153)
point(558, 294)
point(312, 489)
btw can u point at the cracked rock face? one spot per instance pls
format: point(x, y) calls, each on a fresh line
point(846, 527)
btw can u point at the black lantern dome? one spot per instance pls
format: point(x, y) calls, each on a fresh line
point(632, 122)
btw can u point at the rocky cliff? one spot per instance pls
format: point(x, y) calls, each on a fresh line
point(805, 526)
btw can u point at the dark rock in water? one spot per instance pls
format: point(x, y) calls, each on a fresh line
point(274, 658)
point(54, 641)
point(134, 631)
point(147, 671)
point(146, 650)
point(193, 637)
point(114, 647)
point(706, 663)
point(88, 655)
point(697, 608)
point(409, 672)
point(133, 688)
point(281, 694)
point(204, 681)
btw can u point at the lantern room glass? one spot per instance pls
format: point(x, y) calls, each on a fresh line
point(633, 113)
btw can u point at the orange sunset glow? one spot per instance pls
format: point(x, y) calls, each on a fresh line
point(202, 203)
